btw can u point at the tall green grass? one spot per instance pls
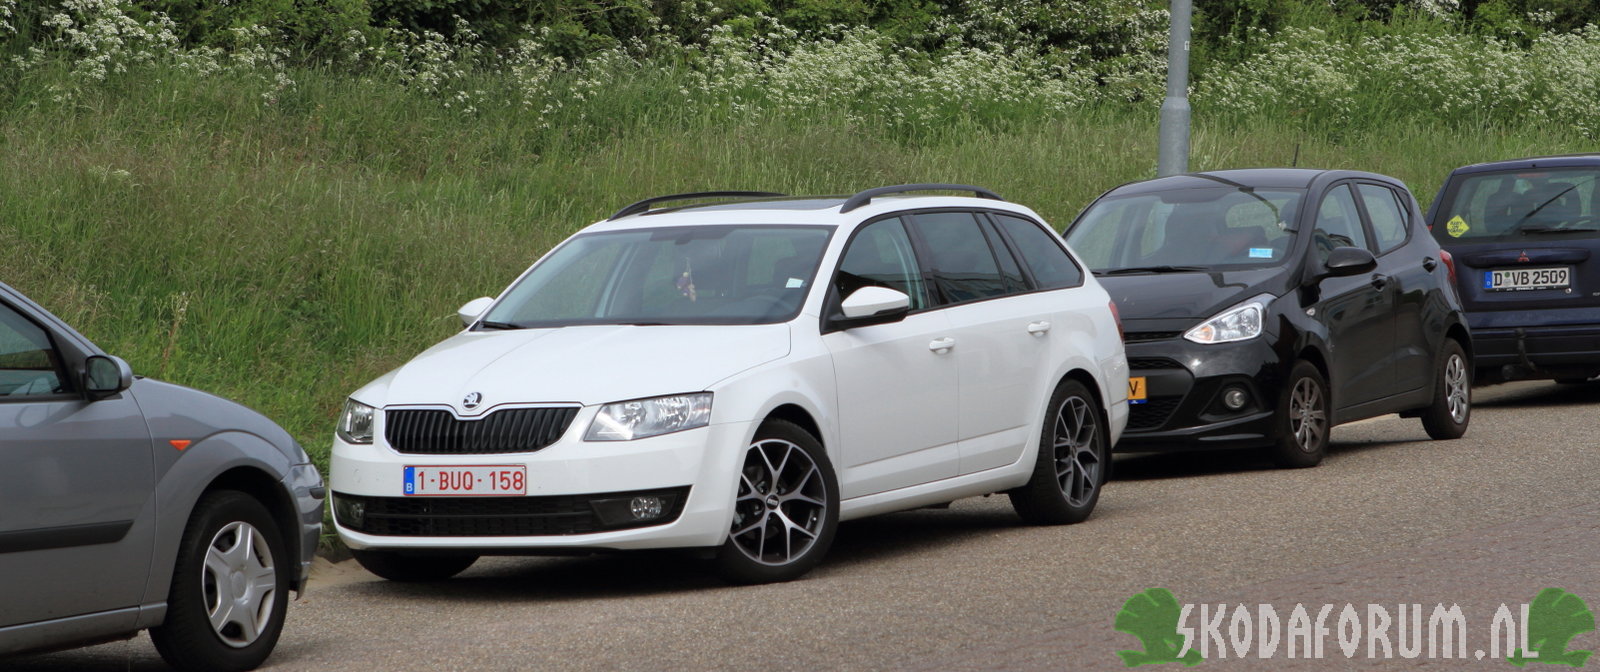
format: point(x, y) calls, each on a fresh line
point(284, 254)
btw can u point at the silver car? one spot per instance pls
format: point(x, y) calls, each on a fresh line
point(127, 503)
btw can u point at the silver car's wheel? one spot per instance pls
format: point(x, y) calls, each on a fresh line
point(240, 583)
point(785, 508)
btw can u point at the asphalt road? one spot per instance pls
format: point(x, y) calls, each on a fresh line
point(1389, 517)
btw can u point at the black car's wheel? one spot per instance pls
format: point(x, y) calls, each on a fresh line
point(230, 587)
point(1451, 411)
point(1304, 420)
point(786, 509)
point(413, 568)
point(1072, 462)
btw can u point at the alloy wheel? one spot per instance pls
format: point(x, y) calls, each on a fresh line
point(1078, 464)
point(239, 583)
point(781, 505)
point(1455, 385)
point(1307, 419)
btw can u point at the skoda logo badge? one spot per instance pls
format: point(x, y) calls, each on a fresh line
point(472, 400)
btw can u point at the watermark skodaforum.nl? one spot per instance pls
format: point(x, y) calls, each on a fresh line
point(1536, 632)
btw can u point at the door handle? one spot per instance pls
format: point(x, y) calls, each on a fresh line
point(1428, 264)
point(941, 345)
point(1039, 328)
point(1380, 281)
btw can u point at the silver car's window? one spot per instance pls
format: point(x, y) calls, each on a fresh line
point(29, 366)
point(678, 275)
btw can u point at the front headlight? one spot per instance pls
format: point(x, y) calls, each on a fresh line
point(1239, 323)
point(355, 423)
point(637, 419)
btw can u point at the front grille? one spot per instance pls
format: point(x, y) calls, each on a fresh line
point(1153, 413)
point(1142, 336)
point(1147, 363)
point(497, 516)
point(512, 430)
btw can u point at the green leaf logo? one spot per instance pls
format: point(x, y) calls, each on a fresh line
point(1554, 617)
point(1152, 616)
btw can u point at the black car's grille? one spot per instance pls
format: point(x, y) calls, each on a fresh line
point(512, 430)
point(499, 516)
point(1147, 363)
point(1153, 413)
point(1142, 336)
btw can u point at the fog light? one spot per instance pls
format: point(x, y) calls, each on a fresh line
point(351, 514)
point(1234, 398)
point(645, 508)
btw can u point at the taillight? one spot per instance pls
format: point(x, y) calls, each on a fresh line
point(1449, 263)
point(1116, 316)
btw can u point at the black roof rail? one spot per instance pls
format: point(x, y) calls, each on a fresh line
point(644, 205)
point(866, 197)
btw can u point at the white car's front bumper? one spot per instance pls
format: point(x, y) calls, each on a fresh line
point(707, 460)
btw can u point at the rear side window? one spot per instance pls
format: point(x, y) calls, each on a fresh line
point(881, 256)
point(1052, 268)
point(1338, 223)
point(1387, 216)
point(963, 264)
point(29, 366)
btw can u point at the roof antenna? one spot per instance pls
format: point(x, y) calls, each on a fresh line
point(1295, 163)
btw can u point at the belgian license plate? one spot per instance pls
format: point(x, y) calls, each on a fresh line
point(467, 481)
point(1516, 279)
point(1136, 390)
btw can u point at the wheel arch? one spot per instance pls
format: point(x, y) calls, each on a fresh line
point(798, 415)
point(264, 488)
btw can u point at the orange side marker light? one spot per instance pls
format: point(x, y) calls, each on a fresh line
point(180, 444)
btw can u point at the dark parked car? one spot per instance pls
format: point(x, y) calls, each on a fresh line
point(1525, 232)
point(127, 503)
point(1263, 307)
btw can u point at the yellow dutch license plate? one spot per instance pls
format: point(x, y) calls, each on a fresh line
point(1136, 390)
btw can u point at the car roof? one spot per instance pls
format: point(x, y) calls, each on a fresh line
point(796, 210)
point(1552, 161)
point(1263, 178)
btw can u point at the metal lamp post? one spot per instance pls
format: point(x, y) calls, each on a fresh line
point(1174, 153)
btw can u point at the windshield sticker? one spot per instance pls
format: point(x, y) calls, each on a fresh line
point(1457, 226)
point(794, 282)
point(1260, 253)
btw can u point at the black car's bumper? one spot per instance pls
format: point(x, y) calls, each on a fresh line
point(1564, 351)
point(1185, 383)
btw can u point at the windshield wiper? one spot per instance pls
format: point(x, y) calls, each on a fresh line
point(491, 324)
point(1555, 229)
point(1152, 269)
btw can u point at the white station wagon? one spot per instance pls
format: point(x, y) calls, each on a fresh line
point(738, 377)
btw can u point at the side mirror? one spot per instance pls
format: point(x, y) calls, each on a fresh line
point(472, 310)
point(105, 376)
point(1344, 261)
point(872, 305)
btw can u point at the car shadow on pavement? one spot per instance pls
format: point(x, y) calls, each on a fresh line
point(1152, 466)
point(1541, 396)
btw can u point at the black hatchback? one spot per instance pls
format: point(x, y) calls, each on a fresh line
point(1527, 234)
point(1263, 307)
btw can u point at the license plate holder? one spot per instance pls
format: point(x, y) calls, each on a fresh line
point(466, 480)
point(1137, 392)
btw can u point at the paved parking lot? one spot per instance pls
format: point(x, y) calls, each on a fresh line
point(1390, 517)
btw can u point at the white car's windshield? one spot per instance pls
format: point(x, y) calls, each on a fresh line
point(678, 275)
point(1187, 229)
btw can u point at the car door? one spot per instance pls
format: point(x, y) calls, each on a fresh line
point(1358, 310)
point(1001, 334)
point(896, 382)
point(76, 482)
point(1411, 278)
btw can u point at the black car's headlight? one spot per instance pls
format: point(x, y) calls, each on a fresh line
point(355, 422)
point(639, 418)
point(1239, 323)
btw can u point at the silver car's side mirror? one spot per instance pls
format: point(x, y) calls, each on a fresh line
point(472, 310)
point(105, 376)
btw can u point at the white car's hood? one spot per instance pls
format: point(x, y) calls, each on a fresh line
point(584, 364)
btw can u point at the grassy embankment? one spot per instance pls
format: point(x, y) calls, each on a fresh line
point(283, 255)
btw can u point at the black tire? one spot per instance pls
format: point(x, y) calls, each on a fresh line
point(1304, 419)
point(786, 475)
point(404, 568)
point(1447, 418)
point(234, 527)
point(1072, 462)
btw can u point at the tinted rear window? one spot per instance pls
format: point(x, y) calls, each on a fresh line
point(1558, 203)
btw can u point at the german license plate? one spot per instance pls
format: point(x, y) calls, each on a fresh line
point(1136, 390)
point(467, 481)
point(1515, 279)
